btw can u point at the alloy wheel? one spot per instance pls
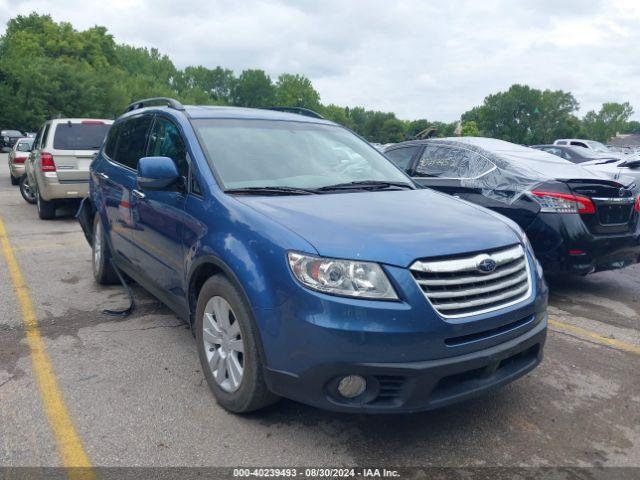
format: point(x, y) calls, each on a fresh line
point(223, 344)
point(28, 191)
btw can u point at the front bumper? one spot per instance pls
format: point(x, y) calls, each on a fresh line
point(416, 386)
point(412, 358)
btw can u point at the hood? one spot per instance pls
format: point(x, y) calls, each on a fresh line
point(391, 227)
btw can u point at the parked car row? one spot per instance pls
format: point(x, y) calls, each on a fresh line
point(310, 266)
point(53, 167)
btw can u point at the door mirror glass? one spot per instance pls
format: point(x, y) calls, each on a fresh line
point(157, 173)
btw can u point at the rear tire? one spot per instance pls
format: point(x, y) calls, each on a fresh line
point(14, 181)
point(26, 191)
point(238, 342)
point(46, 209)
point(103, 270)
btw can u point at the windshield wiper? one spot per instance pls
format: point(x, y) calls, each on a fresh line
point(365, 185)
point(269, 191)
point(609, 160)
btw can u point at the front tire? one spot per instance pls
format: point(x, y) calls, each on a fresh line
point(26, 191)
point(46, 209)
point(103, 270)
point(228, 347)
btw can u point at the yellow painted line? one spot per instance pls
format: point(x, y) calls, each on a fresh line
point(585, 334)
point(69, 444)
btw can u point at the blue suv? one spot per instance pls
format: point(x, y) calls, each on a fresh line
point(308, 265)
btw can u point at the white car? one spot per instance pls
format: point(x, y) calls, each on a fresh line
point(615, 169)
point(17, 156)
point(580, 142)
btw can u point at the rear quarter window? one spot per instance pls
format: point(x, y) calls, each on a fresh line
point(80, 136)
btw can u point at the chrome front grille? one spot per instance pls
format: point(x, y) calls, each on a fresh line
point(457, 287)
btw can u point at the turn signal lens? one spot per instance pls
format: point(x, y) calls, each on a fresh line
point(553, 202)
point(46, 162)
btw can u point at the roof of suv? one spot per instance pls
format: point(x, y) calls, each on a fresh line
point(240, 113)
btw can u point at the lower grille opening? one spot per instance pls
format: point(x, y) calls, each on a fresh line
point(455, 384)
point(473, 337)
point(390, 390)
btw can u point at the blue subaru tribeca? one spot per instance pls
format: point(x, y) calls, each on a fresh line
point(308, 265)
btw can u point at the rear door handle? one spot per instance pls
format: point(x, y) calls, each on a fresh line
point(103, 176)
point(138, 194)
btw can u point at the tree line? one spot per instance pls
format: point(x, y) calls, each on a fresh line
point(49, 69)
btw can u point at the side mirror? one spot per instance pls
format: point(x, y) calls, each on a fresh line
point(157, 173)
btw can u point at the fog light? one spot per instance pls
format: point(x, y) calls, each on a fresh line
point(351, 386)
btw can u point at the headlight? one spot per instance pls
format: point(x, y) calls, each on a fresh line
point(342, 277)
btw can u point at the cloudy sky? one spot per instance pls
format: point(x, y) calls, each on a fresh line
point(416, 58)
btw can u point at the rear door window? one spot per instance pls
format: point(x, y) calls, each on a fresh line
point(402, 156)
point(45, 135)
point(165, 141)
point(80, 136)
point(132, 141)
point(454, 163)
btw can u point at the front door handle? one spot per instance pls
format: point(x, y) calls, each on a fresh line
point(138, 194)
point(103, 176)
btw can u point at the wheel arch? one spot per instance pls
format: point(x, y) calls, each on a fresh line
point(204, 268)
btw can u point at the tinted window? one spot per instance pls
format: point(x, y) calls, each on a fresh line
point(165, 141)
point(36, 140)
point(132, 141)
point(110, 142)
point(449, 162)
point(80, 136)
point(579, 144)
point(402, 156)
point(45, 135)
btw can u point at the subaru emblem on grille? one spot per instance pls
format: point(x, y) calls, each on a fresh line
point(486, 264)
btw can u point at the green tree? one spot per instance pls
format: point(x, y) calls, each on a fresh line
point(470, 129)
point(253, 89)
point(296, 91)
point(216, 83)
point(608, 121)
point(393, 131)
point(337, 114)
point(525, 115)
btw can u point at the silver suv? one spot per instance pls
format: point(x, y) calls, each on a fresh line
point(58, 166)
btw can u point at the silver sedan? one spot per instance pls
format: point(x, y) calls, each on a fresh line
point(17, 157)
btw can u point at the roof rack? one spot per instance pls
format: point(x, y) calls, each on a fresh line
point(299, 110)
point(147, 102)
